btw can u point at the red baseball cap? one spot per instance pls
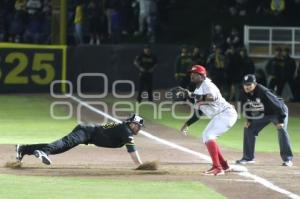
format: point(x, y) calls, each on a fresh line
point(198, 69)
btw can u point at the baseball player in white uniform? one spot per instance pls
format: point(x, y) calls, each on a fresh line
point(209, 101)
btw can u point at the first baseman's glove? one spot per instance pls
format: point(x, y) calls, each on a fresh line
point(179, 94)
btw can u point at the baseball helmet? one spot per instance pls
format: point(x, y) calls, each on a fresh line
point(198, 69)
point(135, 119)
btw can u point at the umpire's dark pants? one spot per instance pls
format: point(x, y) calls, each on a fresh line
point(78, 136)
point(256, 125)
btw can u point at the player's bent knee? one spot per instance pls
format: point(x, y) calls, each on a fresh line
point(206, 138)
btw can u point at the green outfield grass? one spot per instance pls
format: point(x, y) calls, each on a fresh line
point(31, 187)
point(26, 119)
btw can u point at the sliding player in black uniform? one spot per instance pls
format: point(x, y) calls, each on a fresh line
point(111, 135)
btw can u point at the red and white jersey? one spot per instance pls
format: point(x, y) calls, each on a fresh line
point(215, 107)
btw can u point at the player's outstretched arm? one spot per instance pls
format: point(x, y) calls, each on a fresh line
point(136, 157)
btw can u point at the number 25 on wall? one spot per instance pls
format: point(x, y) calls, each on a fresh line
point(41, 62)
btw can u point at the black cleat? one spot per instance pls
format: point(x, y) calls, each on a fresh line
point(43, 156)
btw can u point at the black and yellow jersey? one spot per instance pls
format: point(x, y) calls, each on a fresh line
point(113, 135)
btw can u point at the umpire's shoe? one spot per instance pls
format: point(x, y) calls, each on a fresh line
point(43, 156)
point(19, 155)
point(244, 161)
point(288, 163)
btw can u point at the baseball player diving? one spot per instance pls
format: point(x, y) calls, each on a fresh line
point(110, 135)
point(209, 101)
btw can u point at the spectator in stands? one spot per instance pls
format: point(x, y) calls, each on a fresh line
point(45, 35)
point(151, 30)
point(135, 18)
point(263, 7)
point(234, 71)
point(163, 9)
point(197, 56)
point(2, 24)
point(126, 12)
point(239, 8)
point(276, 71)
point(115, 27)
point(33, 7)
point(246, 63)
point(289, 69)
point(277, 7)
point(234, 39)
point(261, 77)
point(146, 9)
point(96, 20)
point(183, 65)
point(216, 68)
point(16, 28)
point(218, 38)
point(78, 22)
point(17, 21)
point(110, 6)
point(47, 7)
point(20, 5)
point(33, 29)
point(7, 11)
point(146, 63)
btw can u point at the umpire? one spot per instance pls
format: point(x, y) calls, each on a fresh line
point(110, 135)
point(145, 62)
point(261, 107)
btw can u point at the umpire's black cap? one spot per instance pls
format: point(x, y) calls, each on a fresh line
point(249, 79)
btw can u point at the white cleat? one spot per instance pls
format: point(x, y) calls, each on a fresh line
point(43, 156)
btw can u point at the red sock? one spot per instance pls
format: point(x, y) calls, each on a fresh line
point(212, 148)
point(221, 158)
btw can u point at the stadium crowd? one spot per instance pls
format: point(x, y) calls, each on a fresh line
point(227, 62)
point(90, 21)
point(27, 21)
point(113, 21)
point(261, 7)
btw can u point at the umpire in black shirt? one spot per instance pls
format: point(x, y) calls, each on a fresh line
point(145, 62)
point(261, 107)
point(111, 135)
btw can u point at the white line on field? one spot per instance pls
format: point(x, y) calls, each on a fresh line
point(256, 178)
point(236, 180)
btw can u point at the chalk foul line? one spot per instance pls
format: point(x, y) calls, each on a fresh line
point(246, 174)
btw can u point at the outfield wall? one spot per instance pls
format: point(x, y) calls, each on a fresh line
point(32, 68)
point(116, 61)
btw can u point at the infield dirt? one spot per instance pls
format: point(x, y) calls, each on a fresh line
point(103, 163)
